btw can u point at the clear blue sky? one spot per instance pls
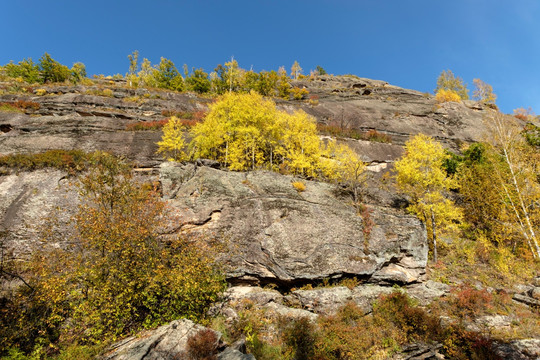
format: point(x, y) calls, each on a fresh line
point(407, 43)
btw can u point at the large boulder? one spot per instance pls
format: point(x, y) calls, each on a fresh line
point(279, 235)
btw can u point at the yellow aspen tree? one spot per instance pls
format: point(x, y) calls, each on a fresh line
point(233, 74)
point(232, 132)
point(172, 143)
point(302, 146)
point(420, 175)
point(246, 131)
point(283, 87)
point(147, 75)
point(347, 168)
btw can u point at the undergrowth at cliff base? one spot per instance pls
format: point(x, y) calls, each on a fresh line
point(351, 334)
point(114, 276)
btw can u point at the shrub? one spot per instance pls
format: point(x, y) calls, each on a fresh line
point(444, 95)
point(104, 92)
point(300, 336)
point(41, 92)
point(299, 94)
point(471, 302)
point(107, 92)
point(531, 133)
point(299, 186)
point(203, 345)
point(374, 135)
point(134, 99)
point(9, 107)
point(19, 106)
point(117, 276)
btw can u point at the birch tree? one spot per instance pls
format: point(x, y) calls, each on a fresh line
point(516, 169)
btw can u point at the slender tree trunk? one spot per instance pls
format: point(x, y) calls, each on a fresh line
point(434, 236)
point(271, 158)
point(253, 156)
point(226, 152)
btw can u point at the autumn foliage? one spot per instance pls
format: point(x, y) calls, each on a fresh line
point(444, 95)
point(245, 131)
point(116, 275)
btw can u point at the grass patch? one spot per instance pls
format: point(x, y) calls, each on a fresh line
point(69, 160)
point(338, 131)
point(19, 106)
point(147, 125)
point(100, 92)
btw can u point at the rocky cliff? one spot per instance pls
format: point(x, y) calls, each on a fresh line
point(273, 234)
point(280, 235)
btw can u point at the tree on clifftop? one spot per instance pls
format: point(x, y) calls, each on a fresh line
point(448, 81)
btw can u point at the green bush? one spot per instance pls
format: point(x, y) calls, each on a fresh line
point(51, 70)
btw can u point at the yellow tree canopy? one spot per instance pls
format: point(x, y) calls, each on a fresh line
point(420, 175)
point(245, 131)
point(172, 143)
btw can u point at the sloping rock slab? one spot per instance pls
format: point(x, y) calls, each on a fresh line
point(327, 301)
point(168, 342)
point(164, 343)
point(278, 234)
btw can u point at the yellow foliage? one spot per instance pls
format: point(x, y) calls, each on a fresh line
point(444, 95)
point(299, 186)
point(245, 131)
point(421, 176)
point(172, 142)
point(41, 92)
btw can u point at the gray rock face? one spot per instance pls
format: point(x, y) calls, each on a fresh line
point(428, 291)
point(275, 233)
point(81, 117)
point(525, 349)
point(283, 236)
point(326, 301)
point(169, 342)
point(74, 119)
point(164, 343)
point(29, 200)
point(365, 104)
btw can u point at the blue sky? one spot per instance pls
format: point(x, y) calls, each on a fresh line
point(407, 43)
